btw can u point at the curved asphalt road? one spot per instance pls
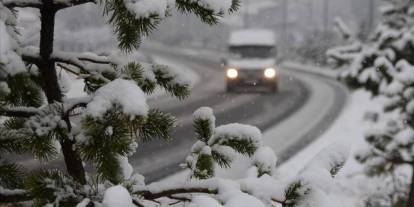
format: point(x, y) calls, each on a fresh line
point(159, 158)
point(296, 114)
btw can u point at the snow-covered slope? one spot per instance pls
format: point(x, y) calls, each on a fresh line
point(347, 129)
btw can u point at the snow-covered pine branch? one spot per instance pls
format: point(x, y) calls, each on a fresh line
point(87, 61)
point(114, 117)
point(18, 111)
point(108, 123)
point(104, 69)
point(384, 66)
point(146, 15)
point(260, 190)
point(10, 59)
point(10, 196)
point(213, 150)
point(219, 145)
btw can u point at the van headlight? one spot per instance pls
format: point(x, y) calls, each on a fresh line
point(269, 72)
point(232, 73)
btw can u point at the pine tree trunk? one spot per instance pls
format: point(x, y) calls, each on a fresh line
point(51, 88)
point(410, 202)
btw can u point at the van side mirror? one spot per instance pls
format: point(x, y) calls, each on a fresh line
point(223, 61)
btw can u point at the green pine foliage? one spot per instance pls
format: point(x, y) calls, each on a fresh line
point(204, 167)
point(336, 168)
point(26, 92)
point(8, 174)
point(38, 121)
point(157, 124)
point(242, 145)
point(37, 124)
point(127, 27)
point(204, 129)
point(92, 83)
point(214, 149)
point(165, 80)
point(52, 187)
point(295, 193)
point(134, 71)
point(108, 137)
point(130, 29)
point(383, 66)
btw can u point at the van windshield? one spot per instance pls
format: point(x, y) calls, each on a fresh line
point(252, 51)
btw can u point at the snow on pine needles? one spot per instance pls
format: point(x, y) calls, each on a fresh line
point(102, 127)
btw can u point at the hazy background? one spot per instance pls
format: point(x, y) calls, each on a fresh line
point(304, 27)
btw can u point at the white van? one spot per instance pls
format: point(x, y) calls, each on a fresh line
point(251, 60)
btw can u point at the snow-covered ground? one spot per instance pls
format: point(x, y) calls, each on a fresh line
point(311, 69)
point(347, 129)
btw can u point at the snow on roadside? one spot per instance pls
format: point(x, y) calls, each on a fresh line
point(311, 69)
point(349, 129)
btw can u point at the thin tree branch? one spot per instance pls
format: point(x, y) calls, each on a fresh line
point(84, 62)
point(25, 196)
point(57, 4)
point(171, 193)
point(156, 190)
point(96, 59)
point(23, 3)
point(67, 69)
point(31, 54)
point(178, 198)
point(22, 195)
point(78, 59)
point(137, 203)
point(14, 196)
point(174, 203)
point(148, 195)
point(279, 201)
point(73, 107)
point(18, 111)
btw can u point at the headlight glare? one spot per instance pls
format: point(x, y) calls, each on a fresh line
point(232, 73)
point(269, 72)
